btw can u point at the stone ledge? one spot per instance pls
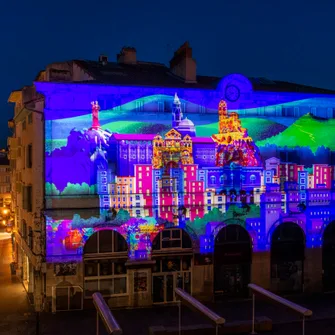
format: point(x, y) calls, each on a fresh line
point(262, 324)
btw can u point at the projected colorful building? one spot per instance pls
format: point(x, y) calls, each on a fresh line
point(171, 179)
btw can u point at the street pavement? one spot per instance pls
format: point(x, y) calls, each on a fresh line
point(17, 316)
point(15, 310)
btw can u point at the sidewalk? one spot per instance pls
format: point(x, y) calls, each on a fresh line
point(15, 310)
point(138, 321)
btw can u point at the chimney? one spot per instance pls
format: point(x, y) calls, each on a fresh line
point(127, 56)
point(183, 65)
point(103, 59)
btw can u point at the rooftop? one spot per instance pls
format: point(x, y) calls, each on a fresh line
point(141, 74)
point(157, 74)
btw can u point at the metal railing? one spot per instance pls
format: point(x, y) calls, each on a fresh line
point(271, 296)
point(103, 312)
point(188, 300)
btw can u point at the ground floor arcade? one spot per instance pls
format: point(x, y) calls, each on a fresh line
point(288, 266)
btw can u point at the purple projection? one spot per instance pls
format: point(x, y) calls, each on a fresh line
point(153, 158)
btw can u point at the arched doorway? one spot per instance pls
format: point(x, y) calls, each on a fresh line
point(172, 250)
point(287, 258)
point(328, 258)
point(232, 261)
point(105, 255)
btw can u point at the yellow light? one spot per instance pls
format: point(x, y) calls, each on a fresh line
point(4, 222)
point(5, 211)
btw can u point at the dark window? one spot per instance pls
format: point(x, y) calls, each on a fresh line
point(29, 156)
point(27, 198)
point(24, 230)
point(30, 118)
point(172, 239)
point(30, 238)
point(105, 241)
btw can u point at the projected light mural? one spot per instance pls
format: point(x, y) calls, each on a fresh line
point(156, 169)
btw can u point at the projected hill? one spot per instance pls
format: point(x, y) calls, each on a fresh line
point(306, 131)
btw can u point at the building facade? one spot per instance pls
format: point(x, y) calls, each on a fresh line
point(26, 150)
point(5, 192)
point(133, 178)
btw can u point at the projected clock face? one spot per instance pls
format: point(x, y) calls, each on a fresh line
point(232, 93)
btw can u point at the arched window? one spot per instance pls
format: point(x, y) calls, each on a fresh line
point(103, 272)
point(213, 179)
point(172, 239)
point(252, 179)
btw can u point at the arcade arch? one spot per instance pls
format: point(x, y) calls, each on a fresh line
point(287, 257)
point(232, 261)
point(328, 258)
point(105, 255)
point(173, 252)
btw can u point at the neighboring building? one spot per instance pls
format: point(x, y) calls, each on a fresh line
point(5, 184)
point(132, 178)
point(5, 192)
point(26, 155)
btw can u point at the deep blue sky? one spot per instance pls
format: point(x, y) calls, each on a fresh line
point(280, 39)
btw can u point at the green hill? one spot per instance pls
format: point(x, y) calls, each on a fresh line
point(306, 131)
point(258, 128)
point(136, 127)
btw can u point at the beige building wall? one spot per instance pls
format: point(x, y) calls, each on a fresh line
point(26, 152)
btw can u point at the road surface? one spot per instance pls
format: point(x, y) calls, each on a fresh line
point(15, 310)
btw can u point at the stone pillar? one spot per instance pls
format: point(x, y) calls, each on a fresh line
point(31, 277)
point(261, 269)
point(38, 294)
point(313, 270)
point(203, 282)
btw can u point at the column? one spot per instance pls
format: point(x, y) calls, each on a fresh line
point(313, 270)
point(261, 269)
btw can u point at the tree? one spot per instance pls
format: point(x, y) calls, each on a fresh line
point(51, 189)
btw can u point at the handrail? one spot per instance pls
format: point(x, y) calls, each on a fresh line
point(106, 315)
point(188, 299)
point(297, 308)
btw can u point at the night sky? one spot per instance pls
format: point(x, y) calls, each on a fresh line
point(289, 40)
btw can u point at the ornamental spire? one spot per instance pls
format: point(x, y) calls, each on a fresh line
point(95, 115)
point(176, 100)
